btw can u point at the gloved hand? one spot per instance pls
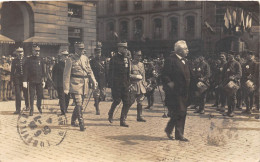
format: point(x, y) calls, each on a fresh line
point(66, 92)
point(139, 77)
point(43, 84)
point(25, 84)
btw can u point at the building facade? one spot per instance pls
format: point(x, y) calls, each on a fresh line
point(52, 25)
point(153, 26)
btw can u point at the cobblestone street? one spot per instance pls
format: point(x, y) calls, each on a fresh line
point(212, 137)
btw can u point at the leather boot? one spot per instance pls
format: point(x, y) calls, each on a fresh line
point(122, 122)
point(139, 113)
point(31, 111)
point(111, 112)
point(152, 100)
point(40, 109)
point(74, 116)
point(97, 106)
point(80, 118)
point(149, 102)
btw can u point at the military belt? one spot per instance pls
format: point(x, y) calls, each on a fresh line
point(78, 76)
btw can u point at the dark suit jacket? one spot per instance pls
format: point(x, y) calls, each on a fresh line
point(34, 70)
point(57, 74)
point(175, 71)
point(17, 70)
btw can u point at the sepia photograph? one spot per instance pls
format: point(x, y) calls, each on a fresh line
point(129, 81)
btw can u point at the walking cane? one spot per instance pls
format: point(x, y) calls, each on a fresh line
point(164, 110)
point(88, 100)
point(28, 96)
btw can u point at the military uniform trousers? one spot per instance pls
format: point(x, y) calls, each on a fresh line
point(18, 97)
point(39, 93)
point(120, 93)
point(139, 98)
point(63, 99)
point(77, 112)
point(231, 102)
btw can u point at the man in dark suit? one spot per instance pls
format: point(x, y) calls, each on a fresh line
point(34, 73)
point(57, 78)
point(17, 71)
point(176, 81)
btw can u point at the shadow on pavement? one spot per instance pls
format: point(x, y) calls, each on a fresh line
point(132, 139)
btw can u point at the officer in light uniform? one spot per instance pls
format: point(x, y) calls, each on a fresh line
point(77, 73)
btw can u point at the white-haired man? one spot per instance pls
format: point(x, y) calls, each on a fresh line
point(176, 81)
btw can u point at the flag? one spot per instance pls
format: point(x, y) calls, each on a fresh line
point(226, 21)
point(250, 21)
point(229, 17)
point(234, 17)
point(242, 21)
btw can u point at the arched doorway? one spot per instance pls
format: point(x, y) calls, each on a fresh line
point(17, 22)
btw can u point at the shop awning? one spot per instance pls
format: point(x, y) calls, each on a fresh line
point(4, 39)
point(45, 41)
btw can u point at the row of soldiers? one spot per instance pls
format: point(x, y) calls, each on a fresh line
point(232, 80)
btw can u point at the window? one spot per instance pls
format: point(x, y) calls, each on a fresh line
point(173, 28)
point(110, 31)
point(157, 34)
point(138, 5)
point(123, 5)
point(157, 4)
point(220, 12)
point(74, 35)
point(138, 29)
point(123, 30)
point(190, 27)
point(173, 3)
point(74, 11)
point(110, 6)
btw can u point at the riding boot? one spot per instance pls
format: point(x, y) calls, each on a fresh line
point(149, 102)
point(123, 117)
point(97, 100)
point(139, 113)
point(152, 99)
point(80, 118)
point(74, 116)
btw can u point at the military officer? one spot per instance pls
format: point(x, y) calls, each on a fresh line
point(202, 75)
point(5, 77)
point(77, 73)
point(98, 66)
point(232, 74)
point(17, 71)
point(119, 80)
point(57, 78)
point(138, 84)
point(248, 82)
point(34, 74)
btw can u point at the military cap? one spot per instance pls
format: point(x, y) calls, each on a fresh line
point(65, 52)
point(99, 44)
point(19, 49)
point(122, 44)
point(250, 52)
point(223, 53)
point(36, 48)
point(3, 57)
point(79, 45)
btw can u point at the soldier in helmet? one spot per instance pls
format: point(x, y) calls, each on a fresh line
point(119, 80)
point(5, 77)
point(232, 74)
point(248, 82)
point(77, 73)
point(34, 74)
point(17, 72)
point(138, 84)
point(98, 66)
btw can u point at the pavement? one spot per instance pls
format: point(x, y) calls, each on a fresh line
point(212, 137)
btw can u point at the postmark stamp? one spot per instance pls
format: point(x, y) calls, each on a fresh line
point(42, 130)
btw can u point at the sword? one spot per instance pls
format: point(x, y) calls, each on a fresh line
point(88, 100)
